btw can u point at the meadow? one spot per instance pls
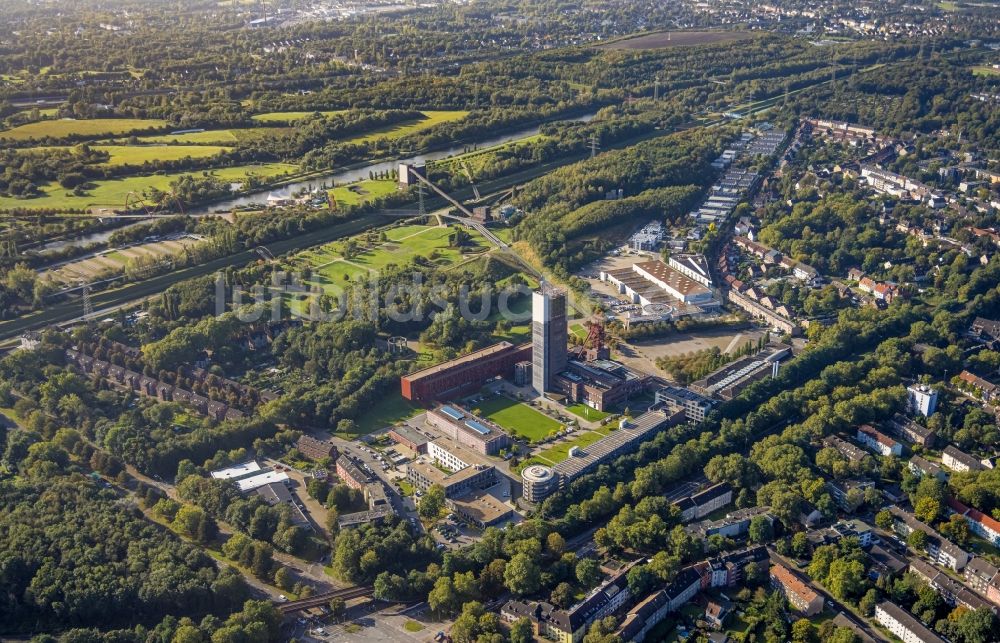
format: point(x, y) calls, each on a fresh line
point(88, 128)
point(112, 193)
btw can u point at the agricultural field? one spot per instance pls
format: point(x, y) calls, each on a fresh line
point(112, 193)
point(87, 128)
point(517, 418)
point(664, 39)
point(113, 262)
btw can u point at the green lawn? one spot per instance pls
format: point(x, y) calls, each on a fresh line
point(587, 413)
point(112, 193)
point(413, 626)
point(91, 128)
point(386, 412)
point(517, 417)
point(983, 70)
point(560, 452)
point(363, 191)
point(578, 330)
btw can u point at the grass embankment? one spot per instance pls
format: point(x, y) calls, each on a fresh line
point(88, 128)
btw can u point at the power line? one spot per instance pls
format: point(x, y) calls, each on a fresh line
point(594, 145)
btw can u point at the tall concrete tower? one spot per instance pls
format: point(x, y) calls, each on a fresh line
point(548, 336)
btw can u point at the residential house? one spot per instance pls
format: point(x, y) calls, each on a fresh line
point(799, 595)
point(840, 491)
point(905, 428)
point(878, 441)
point(953, 592)
point(979, 523)
point(704, 502)
point(921, 466)
point(986, 390)
point(846, 449)
point(903, 624)
point(957, 460)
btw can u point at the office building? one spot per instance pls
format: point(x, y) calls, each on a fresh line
point(694, 405)
point(538, 481)
point(468, 430)
point(548, 337)
point(601, 384)
point(457, 469)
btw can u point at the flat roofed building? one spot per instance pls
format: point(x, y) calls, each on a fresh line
point(538, 482)
point(409, 438)
point(692, 266)
point(600, 384)
point(481, 509)
point(277, 493)
point(238, 471)
point(549, 336)
point(618, 442)
point(468, 430)
point(463, 375)
point(674, 283)
point(246, 485)
point(694, 405)
point(903, 624)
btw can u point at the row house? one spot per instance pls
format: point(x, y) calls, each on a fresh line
point(846, 449)
point(983, 577)
point(953, 592)
point(985, 389)
point(699, 505)
point(720, 572)
point(939, 549)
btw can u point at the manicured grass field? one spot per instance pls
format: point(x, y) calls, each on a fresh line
point(517, 417)
point(560, 452)
point(91, 128)
point(291, 117)
point(587, 413)
point(333, 272)
point(112, 193)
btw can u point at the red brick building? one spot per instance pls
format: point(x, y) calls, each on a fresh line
point(463, 375)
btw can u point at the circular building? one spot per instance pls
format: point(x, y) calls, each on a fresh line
point(539, 481)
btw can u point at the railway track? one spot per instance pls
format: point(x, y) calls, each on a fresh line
point(322, 599)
